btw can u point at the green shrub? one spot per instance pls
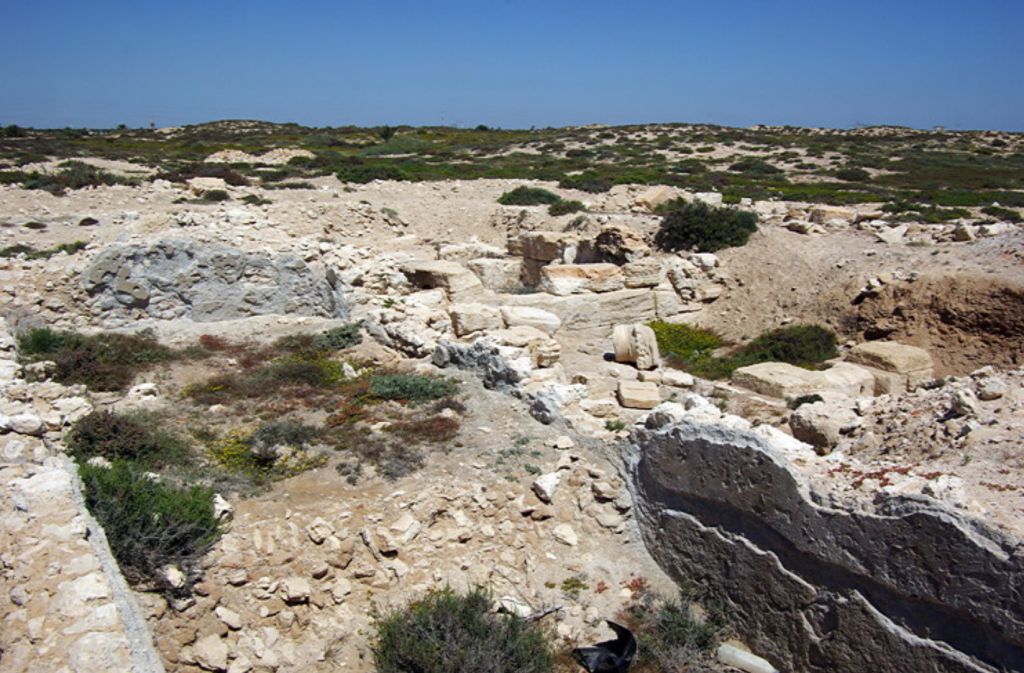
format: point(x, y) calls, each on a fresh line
point(449, 632)
point(528, 196)
point(103, 362)
point(683, 341)
point(361, 173)
point(43, 343)
point(697, 225)
point(136, 436)
point(214, 196)
point(1002, 214)
point(753, 166)
point(670, 635)
point(801, 345)
point(72, 175)
point(565, 207)
point(853, 174)
point(150, 524)
point(339, 338)
point(412, 388)
point(587, 182)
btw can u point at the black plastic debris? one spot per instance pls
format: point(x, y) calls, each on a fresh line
point(611, 656)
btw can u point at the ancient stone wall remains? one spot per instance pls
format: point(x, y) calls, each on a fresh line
point(910, 586)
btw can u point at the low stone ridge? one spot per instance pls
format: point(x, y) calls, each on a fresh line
point(183, 279)
point(911, 587)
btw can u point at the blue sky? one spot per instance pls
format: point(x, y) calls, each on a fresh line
point(514, 63)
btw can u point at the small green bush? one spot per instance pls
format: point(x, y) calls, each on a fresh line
point(136, 436)
point(150, 524)
point(361, 173)
point(683, 341)
point(853, 174)
point(753, 166)
point(697, 225)
point(412, 388)
point(590, 183)
point(43, 343)
point(1002, 214)
point(449, 632)
point(103, 362)
point(671, 636)
point(801, 345)
point(565, 207)
point(528, 196)
point(339, 338)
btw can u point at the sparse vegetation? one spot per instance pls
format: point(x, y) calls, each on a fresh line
point(698, 226)
point(682, 341)
point(139, 437)
point(671, 634)
point(150, 523)
point(450, 632)
point(528, 196)
point(104, 362)
point(411, 388)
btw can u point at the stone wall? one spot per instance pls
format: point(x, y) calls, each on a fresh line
point(183, 279)
point(909, 586)
point(63, 603)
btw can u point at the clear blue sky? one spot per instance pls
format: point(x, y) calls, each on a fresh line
point(514, 63)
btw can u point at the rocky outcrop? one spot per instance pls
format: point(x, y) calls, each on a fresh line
point(183, 279)
point(910, 586)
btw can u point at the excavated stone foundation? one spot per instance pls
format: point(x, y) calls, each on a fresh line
point(899, 585)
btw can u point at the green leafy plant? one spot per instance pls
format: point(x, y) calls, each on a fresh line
point(150, 523)
point(615, 425)
point(411, 388)
point(565, 207)
point(683, 341)
point(528, 196)
point(450, 632)
point(104, 362)
point(138, 436)
point(697, 225)
point(671, 635)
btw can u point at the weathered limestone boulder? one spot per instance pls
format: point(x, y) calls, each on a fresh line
point(819, 423)
point(499, 275)
point(532, 317)
point(645, 272)
point(545, 246)
point(469, 318)
point(464, 252)
point(786, 381)
point(833, 214)
point(619, 245)
point(638, 344)
point(566, 279)
point(910, 585)
point(201, 186)
point(651, 198)
point(897, 367)
point(459, 282)
point(638, 395)
point(777, 379)
point(184, 278)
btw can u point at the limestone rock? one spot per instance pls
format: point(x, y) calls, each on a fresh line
point(642, 273)
point(819, 424)
point(546, 485)
point(295, 590)
point(469, 318)
point(455, 279)
point(565, 534)
point(545, 246)
point(566, 279)
point(532, 317)
point(638, 395)
point(211, 653)
point(499, 275)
